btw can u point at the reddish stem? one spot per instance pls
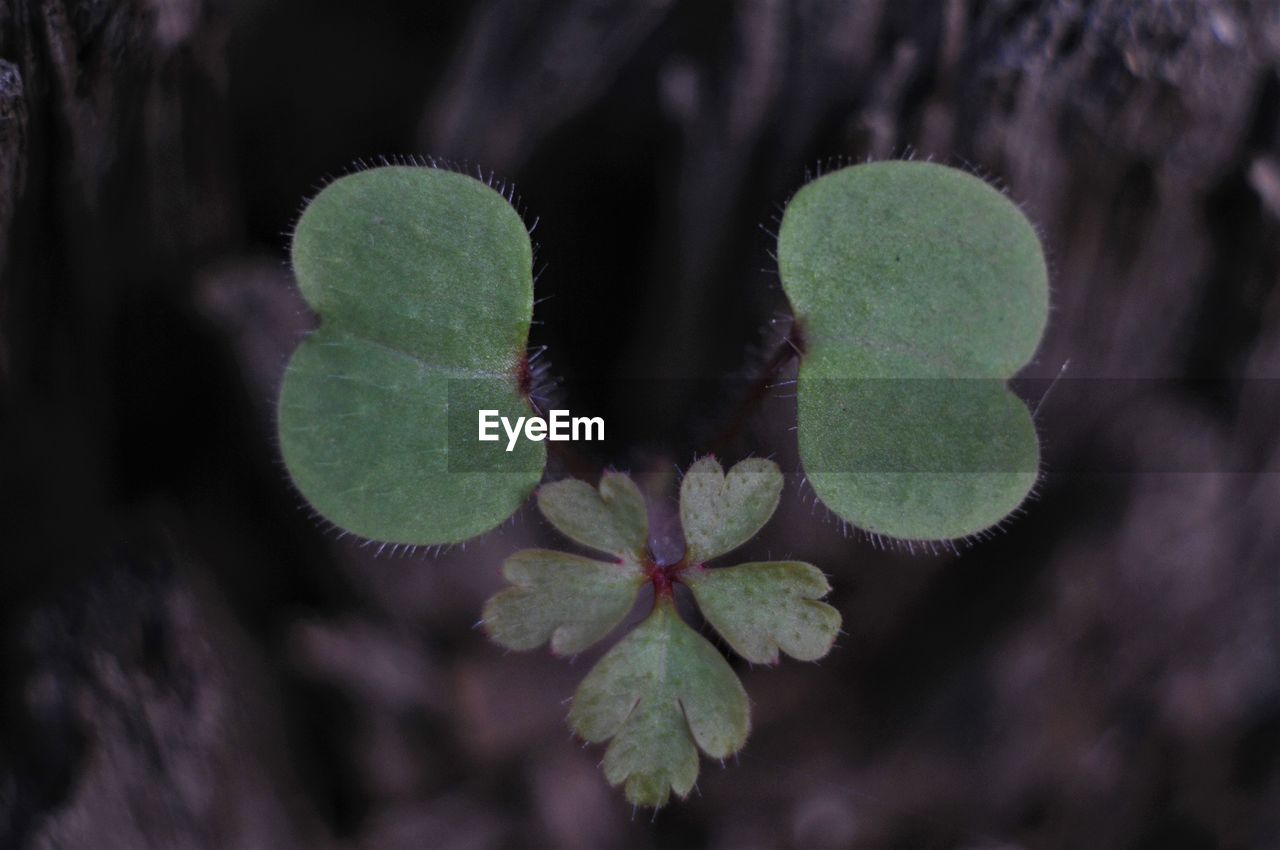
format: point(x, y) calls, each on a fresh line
point(791, 347)
point(664, 576)
point(524, 375)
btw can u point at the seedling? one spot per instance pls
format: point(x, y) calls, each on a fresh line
point(918, 291)
point(663, 691)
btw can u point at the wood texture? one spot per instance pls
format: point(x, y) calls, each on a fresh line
point(188, 661)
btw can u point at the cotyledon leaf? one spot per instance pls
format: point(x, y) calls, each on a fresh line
point(920, 290)
point(422, 279)
point(720, 512)
point(658, 696)
point(569, 600)
point(762, 607)
point(611, 518)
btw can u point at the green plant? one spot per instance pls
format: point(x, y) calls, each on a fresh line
point(663, 691)
point(918, 291)
point(422, 279)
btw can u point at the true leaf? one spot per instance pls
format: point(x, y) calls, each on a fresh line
point(422, 281)
point(919, 291)
point(610, 519)
point(721, 512)
point(569, 600)
point(760, 608)
point(658, 696)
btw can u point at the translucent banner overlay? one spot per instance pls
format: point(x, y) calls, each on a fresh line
point(899, 425)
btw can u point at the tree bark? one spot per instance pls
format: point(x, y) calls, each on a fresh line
point(187, 659)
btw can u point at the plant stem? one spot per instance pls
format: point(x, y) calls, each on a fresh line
point(790, 347)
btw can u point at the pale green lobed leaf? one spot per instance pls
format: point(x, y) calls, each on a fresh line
point(658, 696)
point(920, 290)
point(610, 519)
point(566, 599)
point(759, 608)
point(422, 280)
point(720, 512)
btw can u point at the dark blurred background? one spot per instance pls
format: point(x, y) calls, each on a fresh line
point(187, 660)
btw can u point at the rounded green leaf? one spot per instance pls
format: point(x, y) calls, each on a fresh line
point(566, 599)
point(765, 606)
point(661, 694)
point(719, 512)
point(611, 518)
point(422, 280)
point(919, 290)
